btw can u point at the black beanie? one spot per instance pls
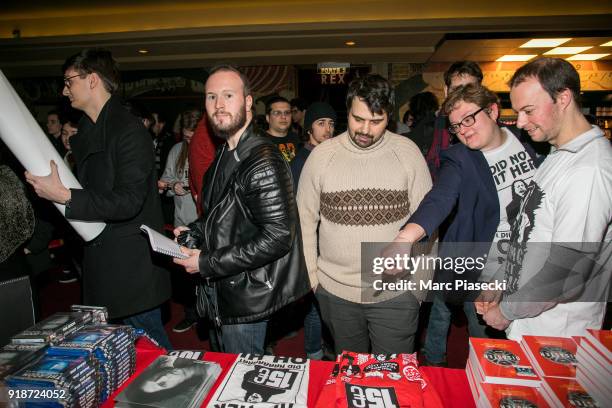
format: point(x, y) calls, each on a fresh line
point(316, 111)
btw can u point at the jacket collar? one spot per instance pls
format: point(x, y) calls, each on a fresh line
point(95, 132)
point(247, 141)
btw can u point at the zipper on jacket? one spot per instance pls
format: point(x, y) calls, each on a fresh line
point(210, 212)
point(227, 210)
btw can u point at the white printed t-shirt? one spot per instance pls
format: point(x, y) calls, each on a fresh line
point(569, 200)
point(511, 169)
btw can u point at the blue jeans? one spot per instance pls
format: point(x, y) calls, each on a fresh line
point(245, 338)
point(151, 322)
point(438, 325)
point(312, 330)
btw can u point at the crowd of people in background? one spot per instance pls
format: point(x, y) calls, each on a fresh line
point(277, 216)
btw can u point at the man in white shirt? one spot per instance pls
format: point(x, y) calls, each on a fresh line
point(560, 256)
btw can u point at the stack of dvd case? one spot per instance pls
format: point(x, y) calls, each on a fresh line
point(56, 382)
point(11, 360)
point(99, 314)
point(110, 346)
point(54, 328)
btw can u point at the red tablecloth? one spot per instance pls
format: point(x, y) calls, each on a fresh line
point(451, 384)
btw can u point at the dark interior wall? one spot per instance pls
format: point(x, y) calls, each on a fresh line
point(311, 88)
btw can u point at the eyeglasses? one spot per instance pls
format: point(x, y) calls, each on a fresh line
point(67, 81)
point(277, 113)
point(468, 121)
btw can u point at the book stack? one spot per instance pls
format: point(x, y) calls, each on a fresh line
point(170, 382)
point(566, 392)
point(594, 369)
point(551, 356)
point(497, 395)
point(554, 358)
point(499, 372)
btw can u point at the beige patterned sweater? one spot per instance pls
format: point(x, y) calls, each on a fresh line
point(353, 195)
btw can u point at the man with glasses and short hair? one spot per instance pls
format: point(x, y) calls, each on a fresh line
point(117, 171)
point(278, 116)
point(475, 178)
point(458, 74)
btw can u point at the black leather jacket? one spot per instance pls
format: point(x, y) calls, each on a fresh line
point(252, 255)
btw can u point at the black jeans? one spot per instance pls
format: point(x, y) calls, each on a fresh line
point(381, 328)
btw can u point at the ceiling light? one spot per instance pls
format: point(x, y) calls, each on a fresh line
point(544, 42)
point(586, 57)
point(566, 50)
point(143, 51)
point(608, 44)
point(523, 57)
point(350, 43)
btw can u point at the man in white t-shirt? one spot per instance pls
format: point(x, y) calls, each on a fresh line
point(560, 257)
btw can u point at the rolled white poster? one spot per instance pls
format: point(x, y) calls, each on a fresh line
point(28, 142)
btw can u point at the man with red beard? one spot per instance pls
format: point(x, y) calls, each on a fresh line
point(248, 242)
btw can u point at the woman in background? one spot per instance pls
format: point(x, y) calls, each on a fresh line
point(175, 180)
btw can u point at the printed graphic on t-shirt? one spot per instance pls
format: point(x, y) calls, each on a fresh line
point(512, 169)
point(288, 150)
point(520, 234)
point(267, 381)
point(511, 175)
point(359, 396)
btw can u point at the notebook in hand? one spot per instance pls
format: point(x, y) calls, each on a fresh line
point(162, 244)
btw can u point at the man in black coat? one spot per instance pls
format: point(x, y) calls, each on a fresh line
point(250, 247)
point(117, 171)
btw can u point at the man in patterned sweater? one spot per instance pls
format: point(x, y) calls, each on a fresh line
point(360, 186)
